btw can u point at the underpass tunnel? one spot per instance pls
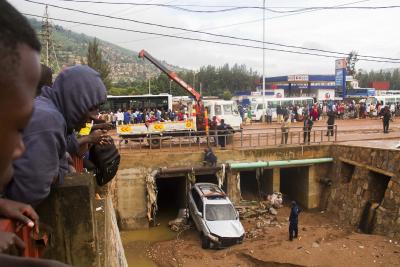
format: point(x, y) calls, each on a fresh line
point(171, 196)
point(249, 185)
point(266, 183)
point(377, 185)
point(294, 184)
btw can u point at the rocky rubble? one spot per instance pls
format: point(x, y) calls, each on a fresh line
point(264, 213)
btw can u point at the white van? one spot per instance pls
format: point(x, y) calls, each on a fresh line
point(224, 109)
point(258, 109)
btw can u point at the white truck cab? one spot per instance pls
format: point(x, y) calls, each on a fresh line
point(224, 109)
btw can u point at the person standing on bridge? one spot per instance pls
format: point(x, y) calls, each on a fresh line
point(294, 221)
point(308, 124)
point(285, 130)
point(386, 116)
point(222, 130)
point(269, 115)
point(331, 122)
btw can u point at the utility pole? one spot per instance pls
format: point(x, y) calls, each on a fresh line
point(201, 93)
point(194, 78)
point(263, 51)
point(149, 87)
point(46, 34)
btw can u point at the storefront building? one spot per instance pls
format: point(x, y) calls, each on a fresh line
point(321, 87)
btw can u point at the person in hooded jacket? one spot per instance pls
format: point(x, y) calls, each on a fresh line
point(58, 111)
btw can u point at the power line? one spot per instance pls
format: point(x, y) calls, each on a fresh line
point(234, 8)
point(208, 33)
point(205, 40)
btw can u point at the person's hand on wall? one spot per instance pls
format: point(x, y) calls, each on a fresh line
point(23, 213)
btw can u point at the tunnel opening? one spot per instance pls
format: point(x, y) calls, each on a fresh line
point(249, 185)
point(171, 197)
point(294, 184)
point(377, 185)
point(266, 183)
point(346, 172)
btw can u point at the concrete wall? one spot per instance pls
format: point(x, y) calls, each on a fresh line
point(82, 228)
point(114, 254)
point(131, 198)
point(186, 159)
point(130, 193)
point(350, 195)
point(70, 216)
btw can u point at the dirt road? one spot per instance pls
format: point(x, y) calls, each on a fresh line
point(321, 242)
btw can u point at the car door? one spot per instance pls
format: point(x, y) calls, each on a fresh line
point(194, 202)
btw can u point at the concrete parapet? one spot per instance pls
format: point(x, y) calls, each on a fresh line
point(70, 216)
point(131, 198)
point(82, 228)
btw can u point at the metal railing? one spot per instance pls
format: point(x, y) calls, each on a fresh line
point(249, 138)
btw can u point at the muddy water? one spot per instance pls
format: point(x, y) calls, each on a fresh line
point(136, 243)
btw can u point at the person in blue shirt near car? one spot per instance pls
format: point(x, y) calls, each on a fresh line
point(293, 221)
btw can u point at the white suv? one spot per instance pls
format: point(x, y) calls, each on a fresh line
point(215, 216)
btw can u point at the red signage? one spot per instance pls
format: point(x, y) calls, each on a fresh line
point(380, 85)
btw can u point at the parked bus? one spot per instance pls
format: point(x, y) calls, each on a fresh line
point(386, 100)
point(258, 108)
point(125, 102)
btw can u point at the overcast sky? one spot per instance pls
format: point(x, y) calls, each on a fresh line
point(370, 32)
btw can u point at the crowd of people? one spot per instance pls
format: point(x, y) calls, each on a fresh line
point(325, 110)
point(40, 125)
point(134, 116)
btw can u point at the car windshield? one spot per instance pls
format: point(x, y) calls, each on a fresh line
point(220, 212)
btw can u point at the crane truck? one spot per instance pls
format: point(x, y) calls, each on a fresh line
point(196, 121)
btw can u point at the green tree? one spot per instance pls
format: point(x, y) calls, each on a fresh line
point(227, 95)
point(95, 60)
point(352, 59)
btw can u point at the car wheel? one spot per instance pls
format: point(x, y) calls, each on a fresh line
point(205, 242)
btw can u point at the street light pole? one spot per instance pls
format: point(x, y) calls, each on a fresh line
point(263, 50)
point(149, 86)
point(194, 78)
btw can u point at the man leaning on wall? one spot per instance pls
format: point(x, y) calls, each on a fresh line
point(19, 58)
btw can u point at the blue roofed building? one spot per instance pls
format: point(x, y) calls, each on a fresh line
point(319, 86)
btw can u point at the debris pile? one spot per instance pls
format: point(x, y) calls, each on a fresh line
point(264, 213)
point(181, 221)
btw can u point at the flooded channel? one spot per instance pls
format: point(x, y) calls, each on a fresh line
point(137, 243)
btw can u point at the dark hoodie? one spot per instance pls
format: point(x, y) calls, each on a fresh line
point(57, 112)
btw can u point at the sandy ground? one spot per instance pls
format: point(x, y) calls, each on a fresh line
point(321, 242)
